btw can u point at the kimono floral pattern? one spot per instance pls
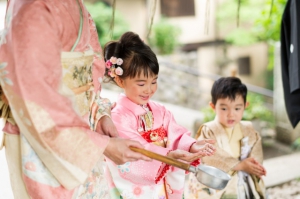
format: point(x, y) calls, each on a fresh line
point(8, 18)
point(3, 74)
point(33, 167)
point(83, 75)
point(141, 179)
point(77, 73)
point(124, 168)
point(96, 186)
point(50, 126)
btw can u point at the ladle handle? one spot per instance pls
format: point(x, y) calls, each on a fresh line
point(161, 158)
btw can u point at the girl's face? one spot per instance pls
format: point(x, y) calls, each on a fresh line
point(229, 112)
point(140, 89)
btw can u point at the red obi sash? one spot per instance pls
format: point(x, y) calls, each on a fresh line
point(154, 135)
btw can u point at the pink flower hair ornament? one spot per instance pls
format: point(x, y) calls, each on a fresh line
point(113, 66)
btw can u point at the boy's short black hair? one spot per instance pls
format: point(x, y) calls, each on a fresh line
point(229, 87)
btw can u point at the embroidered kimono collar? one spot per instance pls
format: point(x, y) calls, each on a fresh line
point(128, 104)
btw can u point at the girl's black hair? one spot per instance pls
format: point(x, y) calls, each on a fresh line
point(228, 87)
point(137, 56)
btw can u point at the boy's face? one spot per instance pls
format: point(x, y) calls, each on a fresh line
point(229, 112)
point(140, 89)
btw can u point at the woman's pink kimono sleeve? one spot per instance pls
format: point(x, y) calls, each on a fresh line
point(32, 83)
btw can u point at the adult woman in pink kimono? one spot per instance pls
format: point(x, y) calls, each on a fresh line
point(50, 64)
point(133, 66)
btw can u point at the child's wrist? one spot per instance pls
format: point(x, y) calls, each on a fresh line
point(170, 154)
point(238, 167)
point(191, 150)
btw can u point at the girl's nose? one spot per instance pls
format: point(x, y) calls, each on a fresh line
point(148, 89)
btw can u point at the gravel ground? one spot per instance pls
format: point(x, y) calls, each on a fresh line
point(289, 190)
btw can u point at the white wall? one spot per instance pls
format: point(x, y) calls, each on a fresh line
point(2, 13)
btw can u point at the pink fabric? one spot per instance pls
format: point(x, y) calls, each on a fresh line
point(125, 115)
point(36, 33)
point(10, 128)
point(48, 193)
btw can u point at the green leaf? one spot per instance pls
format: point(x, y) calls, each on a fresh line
point(102, 15)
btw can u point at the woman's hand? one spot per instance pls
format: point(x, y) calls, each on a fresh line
point(119, 152)
point(205, 147)
point(106, 126)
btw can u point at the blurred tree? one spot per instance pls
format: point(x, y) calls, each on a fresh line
point(296, 144)
point(164, 36)
point(258, 21)
point(102, 14)
point(267, 28)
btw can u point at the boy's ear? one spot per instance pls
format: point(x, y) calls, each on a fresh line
point(212, 105)
point(247, 104)
point(119, 81)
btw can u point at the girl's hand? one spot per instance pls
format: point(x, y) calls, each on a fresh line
point(204, 146)
point(183, 155)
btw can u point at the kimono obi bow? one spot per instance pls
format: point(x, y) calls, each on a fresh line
point(156, 136)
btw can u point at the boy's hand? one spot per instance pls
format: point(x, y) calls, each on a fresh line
point(251, 166)
point(205, 147)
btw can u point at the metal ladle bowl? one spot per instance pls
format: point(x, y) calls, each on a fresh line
point(212, 177)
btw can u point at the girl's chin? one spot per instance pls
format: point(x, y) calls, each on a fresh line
point(142, 102)
point(145, 99)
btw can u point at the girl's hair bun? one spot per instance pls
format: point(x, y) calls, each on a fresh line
point(130, 40)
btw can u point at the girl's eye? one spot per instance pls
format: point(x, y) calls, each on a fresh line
point(224, 109)
point(141, 84)
point(154, 82)
point(237, 109)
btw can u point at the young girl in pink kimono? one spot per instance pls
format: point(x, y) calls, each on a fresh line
point(133, 66)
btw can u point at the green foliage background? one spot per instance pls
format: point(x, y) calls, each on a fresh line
point(164, 37)
point(255, 110)
point(102, 15)
point(259, 21)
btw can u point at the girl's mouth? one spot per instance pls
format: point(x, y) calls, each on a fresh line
point(144, 97)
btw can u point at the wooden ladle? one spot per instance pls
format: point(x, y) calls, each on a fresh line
point(207, 175)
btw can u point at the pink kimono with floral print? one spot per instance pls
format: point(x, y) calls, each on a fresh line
point(148, 179)
point(56, 149)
